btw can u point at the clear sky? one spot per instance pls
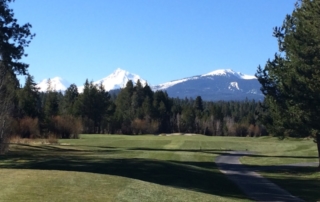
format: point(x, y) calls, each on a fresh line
point(160, 40)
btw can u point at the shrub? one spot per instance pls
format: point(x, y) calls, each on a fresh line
point(241, 130)
point(252, 130)
point(65, 127)
point(29, 128)
point(142, 126)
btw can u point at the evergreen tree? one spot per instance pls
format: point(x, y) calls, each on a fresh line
point(198, 105)
point(147, 102)
point(140, 92)
point(188, 119)
point(51, 105)
point(92, 105)
point(69, 99)
point(13, 39)
point(124, 113)
point(291, 81)
point(29, 99)
point(103, 105)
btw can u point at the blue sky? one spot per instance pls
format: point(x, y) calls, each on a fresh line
point(160, 40)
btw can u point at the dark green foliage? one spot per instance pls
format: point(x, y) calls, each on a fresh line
point(124, 110)
point(29, 99)
point(13, 39)
point(69, 99)
point(51, 103)
point(92, 106)
point(198, 105)
point(291, 81)
point(138, 110)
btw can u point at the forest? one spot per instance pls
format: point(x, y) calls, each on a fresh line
point(290, 83)
point(134, 110)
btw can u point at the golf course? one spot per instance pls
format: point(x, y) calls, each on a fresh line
point(152, 168)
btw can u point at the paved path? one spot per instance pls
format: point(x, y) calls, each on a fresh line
point(251, 183)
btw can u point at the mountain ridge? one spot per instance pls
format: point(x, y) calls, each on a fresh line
point(220, 84)
point(116, 80)
point(56, 83)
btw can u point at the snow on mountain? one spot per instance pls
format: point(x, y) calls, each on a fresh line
point(170, 83)
point(229, 72)
point(221, 84)
point(118, 79)
point(234, 86)
point(220, 72)
point(56, 83)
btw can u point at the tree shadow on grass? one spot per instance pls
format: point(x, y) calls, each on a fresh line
point(220, 152)
point(296, 181)
point(209, 151)
point(168, 173)
point(197, 176)
point(293, 178)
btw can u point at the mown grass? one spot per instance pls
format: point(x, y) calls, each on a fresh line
point(141, 168)
point(115, 168)
point(303, 181)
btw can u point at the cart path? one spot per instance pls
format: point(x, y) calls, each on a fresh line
point(251, 183)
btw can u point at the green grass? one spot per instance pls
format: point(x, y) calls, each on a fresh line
point(303, 182)
point(142, 168)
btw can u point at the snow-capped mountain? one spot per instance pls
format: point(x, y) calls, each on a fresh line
point(226, 73)
point(118, 79)
point(222, 84)
point(56, 83)
point(229, 73)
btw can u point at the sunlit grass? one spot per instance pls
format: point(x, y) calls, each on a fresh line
point(142, 168)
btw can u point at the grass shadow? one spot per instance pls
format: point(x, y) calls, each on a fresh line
point(204, 178)
point(299, 179)
point(197, 176)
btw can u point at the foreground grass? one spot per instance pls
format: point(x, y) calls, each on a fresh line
point(43, 185)
point(302, 182)
point(116, 168)
point(148, 168)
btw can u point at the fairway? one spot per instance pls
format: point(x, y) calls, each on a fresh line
point(147, 168)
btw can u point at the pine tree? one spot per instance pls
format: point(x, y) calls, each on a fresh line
point(198, 105)
point(291, 81)
point(69, 100)
point(29, 99)
point(13, 39)
point(51, 105)
point(102, 106)
point(124, 112)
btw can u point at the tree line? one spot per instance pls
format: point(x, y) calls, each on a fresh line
point(135, 109)
point(290, 83)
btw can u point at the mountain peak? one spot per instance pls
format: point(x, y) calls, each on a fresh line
point(229, 72)
point(119, 71)
point(57, 84)
point(118, 79)
point(220, 72)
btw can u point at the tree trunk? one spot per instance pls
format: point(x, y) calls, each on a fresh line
point(3, 127)
point(318, 146)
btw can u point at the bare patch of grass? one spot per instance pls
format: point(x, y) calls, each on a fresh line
point(37, 141)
